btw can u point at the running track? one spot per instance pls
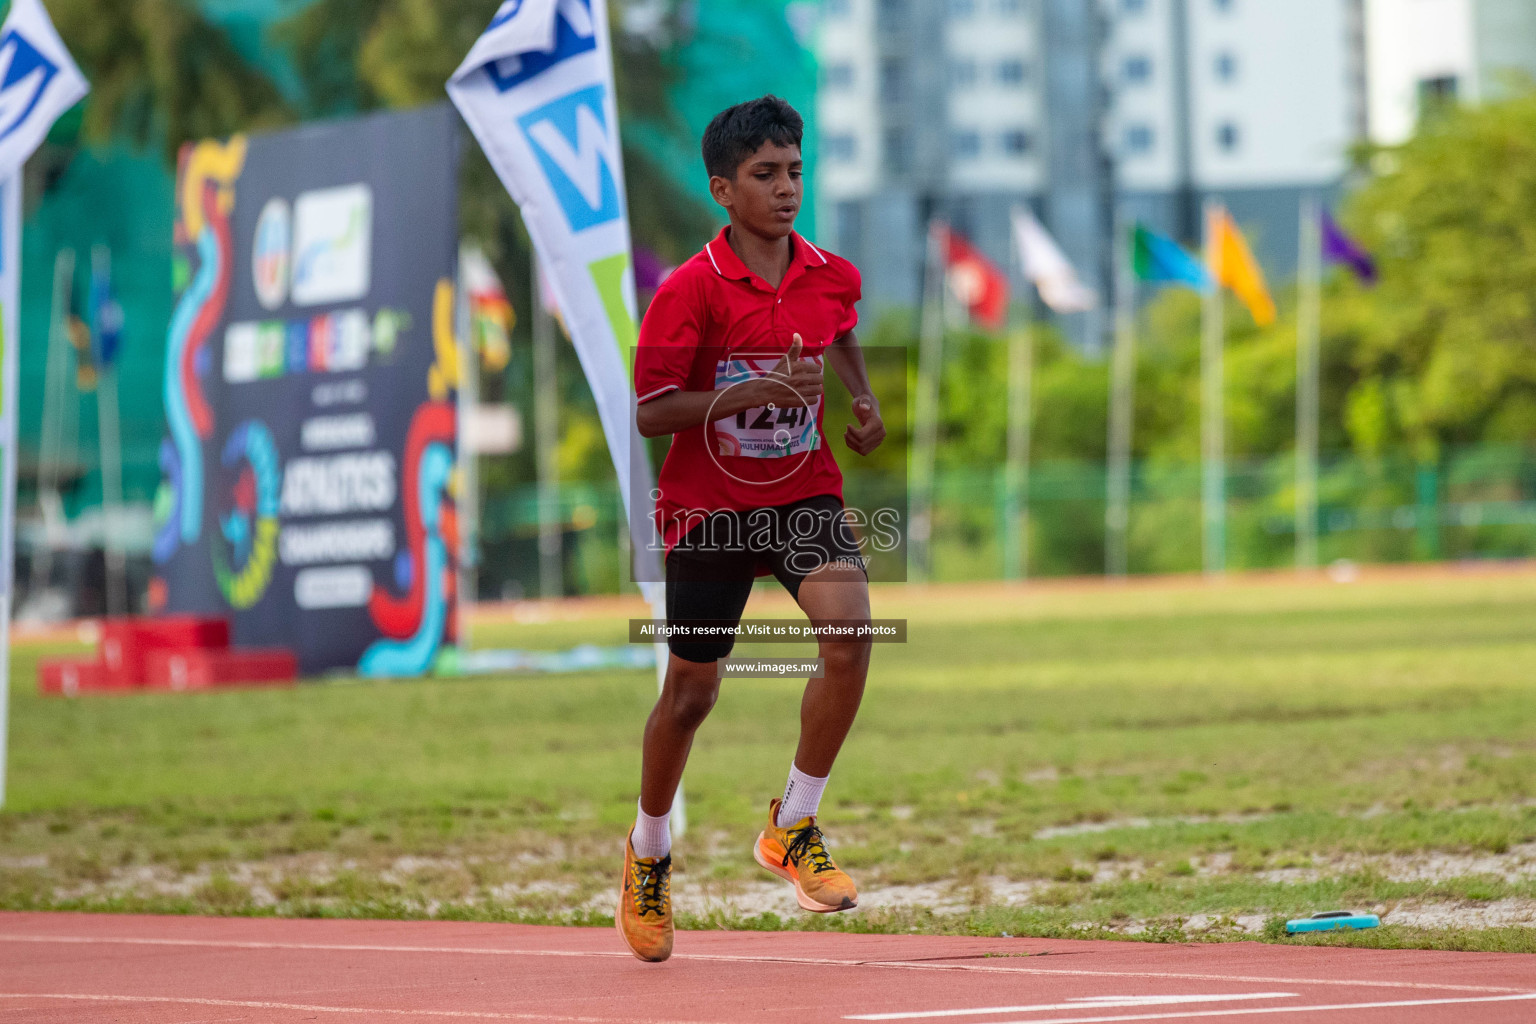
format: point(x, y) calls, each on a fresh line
point(90, 969)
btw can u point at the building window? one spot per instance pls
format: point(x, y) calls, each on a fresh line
point(898, 151)
point(850, 227)
point(841, 148)
point(1016, 142)
point(1136, 69)
point(962, 73)
point(1228, 136)
point(966, 144)
point(1138, 138)
point(837, 76)
point(893, 79)
point(962, 8)
point(1226, 67)
point(893, 12)
point(1133, 6)
point(1436, 92)
point(1011, 72)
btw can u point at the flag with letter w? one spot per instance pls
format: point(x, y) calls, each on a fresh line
point(537, 91)
point(38, 82)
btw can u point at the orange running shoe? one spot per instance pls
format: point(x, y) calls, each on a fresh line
point(644, 916)
point(798, 854)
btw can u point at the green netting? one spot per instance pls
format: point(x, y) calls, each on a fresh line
point(121, 200)
point(737, 50)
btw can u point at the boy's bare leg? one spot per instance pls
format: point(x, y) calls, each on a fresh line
point(831, 703)
point(687, 695)
point(794, 851)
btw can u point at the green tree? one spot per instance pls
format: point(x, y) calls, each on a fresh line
point(1445, 347)
point(161, 74)
point(358, 55)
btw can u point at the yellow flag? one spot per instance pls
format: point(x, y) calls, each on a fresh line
point(1237, 269)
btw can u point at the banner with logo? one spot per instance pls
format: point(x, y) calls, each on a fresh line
point(537, 90)
point(38, 82)
point(311, 390)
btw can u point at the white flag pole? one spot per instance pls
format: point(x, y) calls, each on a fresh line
point(1308, 346)
point(1212, 409)
point(109, 444)
point(10, 327)
point(1021, 359)
point(469, 458)
point(537, 92)
point(546, 431)
point(925, 417)
point(24, 123)
point(1122, 408)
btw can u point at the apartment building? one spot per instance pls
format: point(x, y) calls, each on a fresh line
point(1424, 52)
point(1086, 110)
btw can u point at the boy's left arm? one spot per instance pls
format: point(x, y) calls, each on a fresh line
point(847, 361)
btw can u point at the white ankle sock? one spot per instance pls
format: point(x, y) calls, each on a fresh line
point(652, 837)
point(802, 797)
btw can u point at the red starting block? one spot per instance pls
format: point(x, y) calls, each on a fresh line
point(207, 669)
point(126, 642)
point(177, 652)
point(65, 677)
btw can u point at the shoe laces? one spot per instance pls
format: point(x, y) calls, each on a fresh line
point(652, 885)
point(808, 842)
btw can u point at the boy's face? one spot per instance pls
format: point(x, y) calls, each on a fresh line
point(764, 196)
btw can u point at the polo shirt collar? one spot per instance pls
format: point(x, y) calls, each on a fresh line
point(803, 255)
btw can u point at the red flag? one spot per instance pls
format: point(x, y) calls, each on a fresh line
point(974, 280)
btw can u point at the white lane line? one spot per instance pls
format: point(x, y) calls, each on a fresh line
point(907, 965)
point(1254, 1010)
point(1085, 1003)
point(251, 1004)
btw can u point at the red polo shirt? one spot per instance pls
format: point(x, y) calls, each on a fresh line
point(712, 323)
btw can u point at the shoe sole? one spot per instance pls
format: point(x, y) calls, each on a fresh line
point(806, 903)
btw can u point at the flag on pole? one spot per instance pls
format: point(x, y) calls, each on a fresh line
point(1160, 260)
point(106, 315)
point(974, 281)
point(1237, 269)
point(537, 91)
point(650, 271)
point(1340, 249)
point(1047, 267)
point(491, 317)
point(40, 82)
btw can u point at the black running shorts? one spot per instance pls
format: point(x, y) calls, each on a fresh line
point(711, 569)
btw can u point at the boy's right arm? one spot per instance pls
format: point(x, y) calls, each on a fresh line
point(677, 411)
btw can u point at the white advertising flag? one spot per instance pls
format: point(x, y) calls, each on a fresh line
point(1047, 268)
point(38, 82)
point(537, 91)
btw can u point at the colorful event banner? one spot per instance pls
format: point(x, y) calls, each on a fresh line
point(537, 91)
point(311, 389)
point(38, 82)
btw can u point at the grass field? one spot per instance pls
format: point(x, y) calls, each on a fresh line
point(1165, 760)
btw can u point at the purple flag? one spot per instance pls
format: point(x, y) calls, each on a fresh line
point(1340, 248)
point(650, 271)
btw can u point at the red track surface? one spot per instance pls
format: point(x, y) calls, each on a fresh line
point(85, 969)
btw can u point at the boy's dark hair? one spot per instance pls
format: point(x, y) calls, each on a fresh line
point(737, 132)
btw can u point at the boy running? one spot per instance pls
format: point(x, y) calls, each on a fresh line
point(730, 363)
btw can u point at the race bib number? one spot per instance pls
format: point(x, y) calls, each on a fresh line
point(771, 431)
